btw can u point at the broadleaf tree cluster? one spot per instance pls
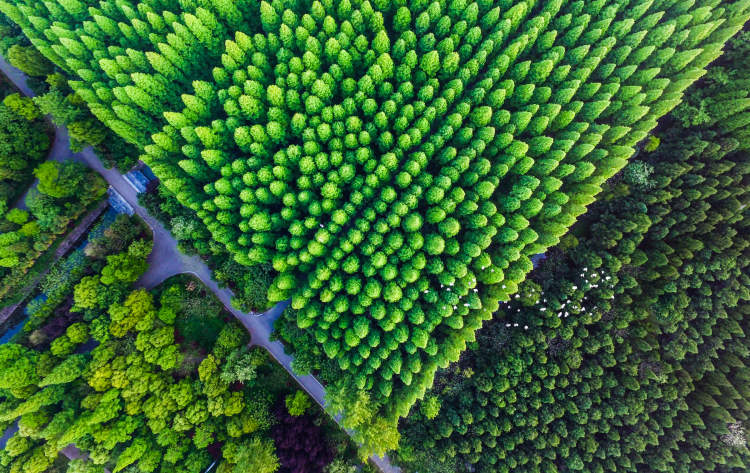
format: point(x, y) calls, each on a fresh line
point(139, 400)
point(65, 190)
point(23, 145)
point(396, 162)
point(140, 381)
point(631, 355)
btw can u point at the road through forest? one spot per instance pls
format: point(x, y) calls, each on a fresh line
point(166, 260)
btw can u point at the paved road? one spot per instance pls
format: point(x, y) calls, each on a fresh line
point(60, 151)
point(166, 260)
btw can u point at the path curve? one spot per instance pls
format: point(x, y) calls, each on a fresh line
point(167, 260)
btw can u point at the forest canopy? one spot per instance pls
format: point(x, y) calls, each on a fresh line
point(626, 350)
point(397, 163)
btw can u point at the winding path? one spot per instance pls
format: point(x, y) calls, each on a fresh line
point(166, 260)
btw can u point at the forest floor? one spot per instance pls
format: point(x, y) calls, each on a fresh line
point(166, 260)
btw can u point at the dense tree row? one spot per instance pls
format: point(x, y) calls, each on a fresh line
point(627, 350)
point(63, 193)
point(397, 162)
point(56, 99)
point(351, 336)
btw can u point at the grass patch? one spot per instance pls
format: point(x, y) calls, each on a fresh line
point(201, 316)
